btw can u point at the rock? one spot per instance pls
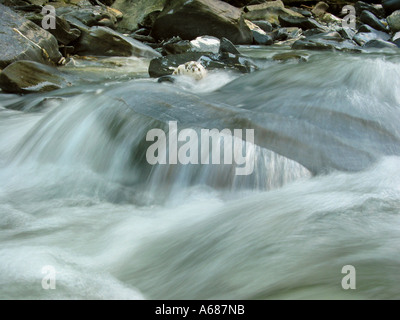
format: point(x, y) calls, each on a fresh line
point(394, 21)
point(347, 33)
point(391, 6)
point(149, 20)
point(287, 56)
point(376, 9)
point(28, 76)
point(241, 3)
point(264, 25)
point(205, 44)
point(191, 19)
point(103, 41)
point(165, 66)
point(320, 9)
point(283, 34)
point(136, 12)
point(303, 12)
point(326, 41)
point(87, 15)
point(396, 39)
point(169, 79)
point(364, 37)
point(370, 19)
point(228, 47)
point(329, 18)
point(141, 38)
point(176, 46)
point(21, 39)
point(259, 35)
point(63, 32)
point(303, 23)
point(381, 44)
point(269, 11)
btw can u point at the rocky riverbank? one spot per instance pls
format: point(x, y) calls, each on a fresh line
point(171, 33)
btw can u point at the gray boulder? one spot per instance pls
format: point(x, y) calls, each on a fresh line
point(28, 76)
point(21, 39)
point(103, 41)
point(394, 21)
point(379, 44)
point(191, 19)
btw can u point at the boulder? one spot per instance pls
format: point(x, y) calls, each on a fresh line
point(136, 12)
point(21, 39)
point(394, 21)
point(103, 41)
point(176, 46)
point(371, 20)
point(303, 23)
point(379, 44)
point(326, 41)
point(259, 35)
point(376, 9)
point(346, 33)
point(269, 11)
point(396, 39)
point(264, 25)
point(191, 19)
point(28, 76)
point(362, 38)
point(228, 47)
point(320, 9)
point(63, 31)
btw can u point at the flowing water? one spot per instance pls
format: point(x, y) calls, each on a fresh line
point(78, 194)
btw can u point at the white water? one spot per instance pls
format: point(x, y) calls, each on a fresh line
point(77, 194)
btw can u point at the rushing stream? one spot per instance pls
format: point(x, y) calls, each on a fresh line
point(78, 194)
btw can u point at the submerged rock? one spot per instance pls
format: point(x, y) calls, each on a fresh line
point(191, 19)
point(103, 41)
point(21, 39)
point(28, 76)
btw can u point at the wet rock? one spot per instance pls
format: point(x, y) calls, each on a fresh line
point(371, 20)
point(391, 6)
point(287, 56)
point(394, 21)
point(63, 31)
point(330, 19)
point(141, 38)
point(320, 9)
point(259, 35)
point(303, 23)
point(227, 46)
point(21, 39)
point(264, 25)
point(379, 44)
point(165, 66)
point(376, 9)
point(191, 19)
point(103, 41)
point(176, 46)
point(329, 41)
point(347, 33)
point(138, 12)
point(396, 39)
point(28, 76)
point(366, 33)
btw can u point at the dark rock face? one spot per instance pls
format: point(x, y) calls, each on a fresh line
point(377, 10)
point(371, 20)
point(21, 39)
point(190, 19)
point(28, 76)
point(103, 41)
point(391, 6)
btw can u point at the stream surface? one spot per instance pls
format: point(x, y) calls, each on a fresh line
point(78, 194)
